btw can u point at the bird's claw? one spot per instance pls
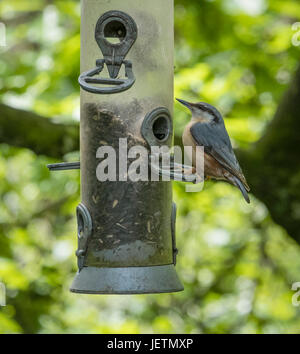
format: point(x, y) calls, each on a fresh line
point(175, 171)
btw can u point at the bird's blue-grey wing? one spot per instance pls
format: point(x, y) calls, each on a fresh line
point(216, 142)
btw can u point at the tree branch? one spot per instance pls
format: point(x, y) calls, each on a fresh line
point(42, 135)
point(272, 165)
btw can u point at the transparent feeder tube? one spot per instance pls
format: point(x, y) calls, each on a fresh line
point(131, 246)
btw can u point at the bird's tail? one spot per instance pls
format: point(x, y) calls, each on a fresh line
point(241, 187)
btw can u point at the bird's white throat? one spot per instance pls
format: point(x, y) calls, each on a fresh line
point(201, 116)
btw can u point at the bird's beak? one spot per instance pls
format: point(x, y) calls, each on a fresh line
point(185, 103)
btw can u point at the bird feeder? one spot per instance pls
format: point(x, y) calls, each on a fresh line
point(126, 229)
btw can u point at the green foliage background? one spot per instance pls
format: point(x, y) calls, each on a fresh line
point(237, 266)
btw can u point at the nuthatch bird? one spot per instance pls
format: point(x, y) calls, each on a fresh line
point(207, 129)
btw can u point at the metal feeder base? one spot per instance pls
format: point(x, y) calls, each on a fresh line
point(131, 280)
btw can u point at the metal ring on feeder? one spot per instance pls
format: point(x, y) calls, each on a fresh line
point(112, 24)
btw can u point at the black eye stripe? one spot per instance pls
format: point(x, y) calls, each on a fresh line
point(208, 110)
